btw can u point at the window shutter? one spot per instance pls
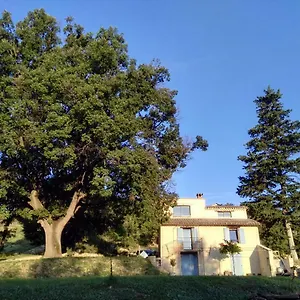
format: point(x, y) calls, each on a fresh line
point(226, 234)
point(180, 235)
point(195, 234)
point(242, 236)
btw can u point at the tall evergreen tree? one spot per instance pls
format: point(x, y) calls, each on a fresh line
point(82, 126)
point(272, 165)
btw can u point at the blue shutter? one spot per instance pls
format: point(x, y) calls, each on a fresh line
point(242, 236)
point(226, 234)
point(195, 238)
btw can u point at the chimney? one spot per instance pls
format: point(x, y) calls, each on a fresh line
point(199, 195)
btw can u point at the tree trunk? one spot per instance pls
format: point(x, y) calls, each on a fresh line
point(291, 242)
point(53, 233)
point(233, 264)
point(54, 228)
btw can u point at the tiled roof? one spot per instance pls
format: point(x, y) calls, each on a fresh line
point(224, 207)
point(210, 222)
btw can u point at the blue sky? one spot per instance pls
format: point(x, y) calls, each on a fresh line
point(221, 55)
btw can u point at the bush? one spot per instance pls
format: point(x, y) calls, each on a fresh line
point(85, 247)
point(230, 248)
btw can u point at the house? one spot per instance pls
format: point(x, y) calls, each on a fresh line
point(193, 235)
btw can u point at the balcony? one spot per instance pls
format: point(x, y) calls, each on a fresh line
point(188, 244)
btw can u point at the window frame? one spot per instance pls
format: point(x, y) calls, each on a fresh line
point(188, 240)
point(223, 212)
point(180, 215)
point(237, 235)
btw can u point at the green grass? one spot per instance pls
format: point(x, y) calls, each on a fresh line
point(146, 287)
point(75, 267)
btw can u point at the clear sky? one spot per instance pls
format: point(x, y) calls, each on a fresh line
point(221, 55)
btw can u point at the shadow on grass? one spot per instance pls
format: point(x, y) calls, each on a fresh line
point(17, 247)
point(136, 266)
point(54, 268)
point(69, 267)
point(77, 267)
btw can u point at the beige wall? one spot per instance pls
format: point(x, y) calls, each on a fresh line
point(197, 206)
point(268, 263)
point(198, 209)
point(209, 258)
point(235, 213)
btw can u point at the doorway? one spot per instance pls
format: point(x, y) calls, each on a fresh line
point(189, 264)
point(237, 265)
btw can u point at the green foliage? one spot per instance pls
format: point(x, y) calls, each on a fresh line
point(6, 231)
point(16, 243)
point(173, 262)
point(85, 246)
point(272, 166)
point(4, 213)
point(81, 115)
point(230, 248)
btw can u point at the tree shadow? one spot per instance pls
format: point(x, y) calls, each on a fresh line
point(77, 267)
point(136, 266)
point(22, 246)
point(69, 267)
point(213, 261)
point(255, 262)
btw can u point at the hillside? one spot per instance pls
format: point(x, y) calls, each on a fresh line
point(32, 267)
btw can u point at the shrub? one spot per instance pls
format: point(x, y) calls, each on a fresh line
point(230, 248)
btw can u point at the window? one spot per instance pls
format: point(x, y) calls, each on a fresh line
point(233, 235)
point(181, 211)
point(187, 237)
point(224, 214)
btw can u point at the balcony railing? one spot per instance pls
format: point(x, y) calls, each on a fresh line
point(176, 247)
point(188, 244)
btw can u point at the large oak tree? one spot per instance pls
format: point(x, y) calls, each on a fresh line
point(82, 125)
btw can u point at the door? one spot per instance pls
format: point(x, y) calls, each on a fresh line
point(237, 265)
point(189, 264)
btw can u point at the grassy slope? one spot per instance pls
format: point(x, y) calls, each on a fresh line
point(75, 267)
point(146, 287)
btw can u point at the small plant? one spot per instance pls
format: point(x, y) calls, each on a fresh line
point(69, 252)
point(230, 248)
point(173, 264)
point(86, 246)
point(294, 268)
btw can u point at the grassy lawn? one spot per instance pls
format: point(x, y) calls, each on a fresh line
point(145, 287)
point(76, 267)
point(88, 278)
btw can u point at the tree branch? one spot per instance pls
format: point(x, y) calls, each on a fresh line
point(35, 202)
point(44, 223)
point(72, 209)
